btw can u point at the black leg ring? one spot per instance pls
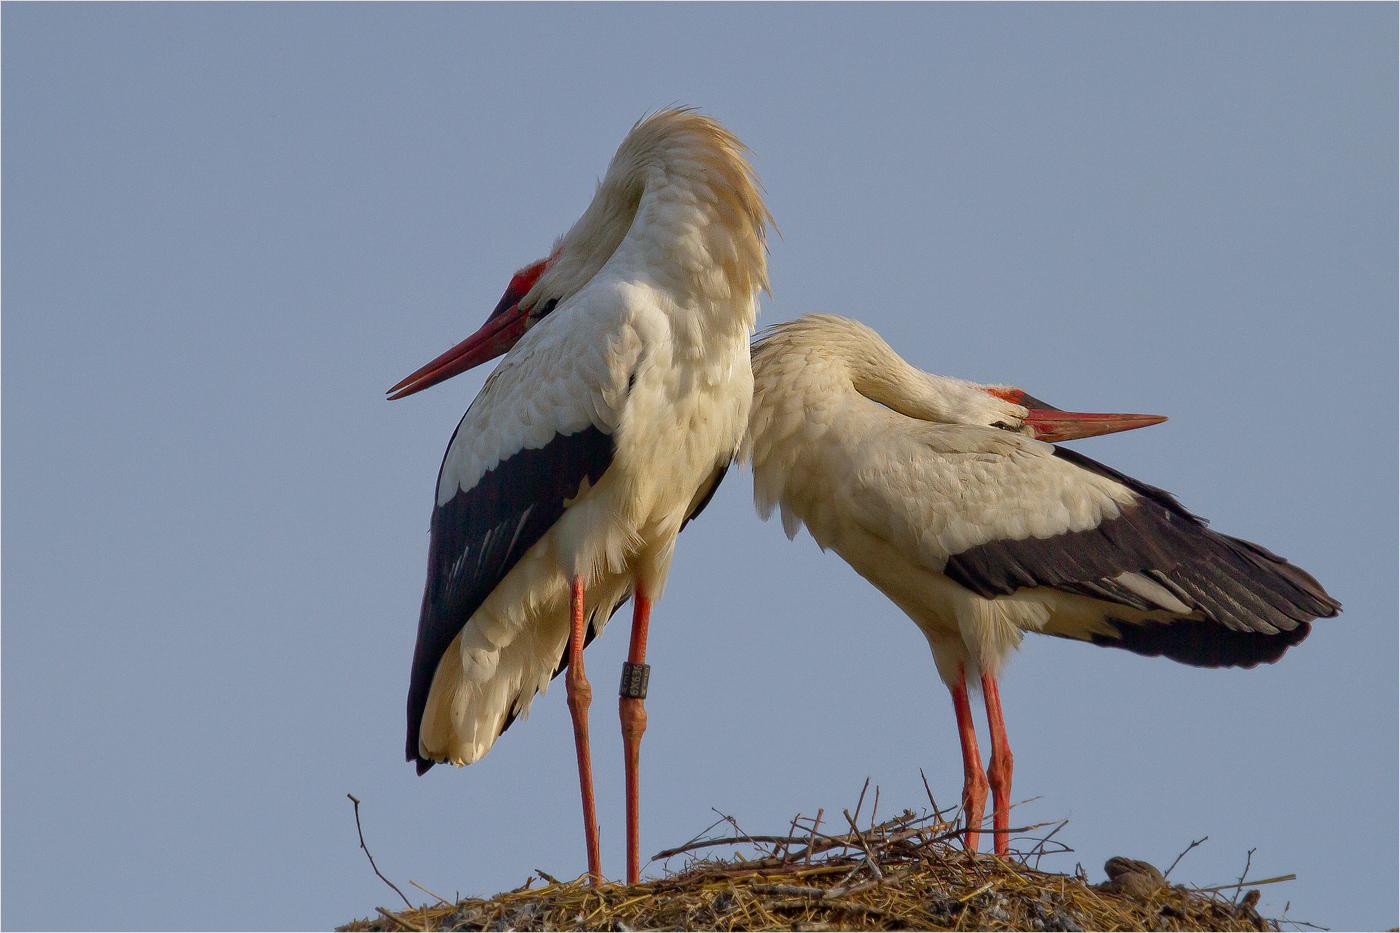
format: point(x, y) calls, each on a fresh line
point(634, 680)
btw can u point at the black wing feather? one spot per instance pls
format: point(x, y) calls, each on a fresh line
point(481, 533)
point(1256, 604)
point(715, 479)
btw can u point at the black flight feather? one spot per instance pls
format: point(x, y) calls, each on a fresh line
point(1256, 605)
point(480, 534)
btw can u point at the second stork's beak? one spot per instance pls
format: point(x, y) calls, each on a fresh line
point(1055, 426)
point(502, 329)
point(1052, 425)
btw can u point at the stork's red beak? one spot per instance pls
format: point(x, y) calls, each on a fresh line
point(502, 329)
point(1051, 424)
point(1071, 425)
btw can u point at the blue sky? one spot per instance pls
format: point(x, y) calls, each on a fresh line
point(228, 228)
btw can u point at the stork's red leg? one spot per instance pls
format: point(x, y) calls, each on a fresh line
point(999, 768)
point(974, 796)
point(634, 723)
point(580, 696)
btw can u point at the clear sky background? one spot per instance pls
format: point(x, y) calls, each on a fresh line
point(229, 228)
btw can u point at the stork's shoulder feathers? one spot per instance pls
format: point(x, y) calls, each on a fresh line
point(935, 490)
point(550, 384)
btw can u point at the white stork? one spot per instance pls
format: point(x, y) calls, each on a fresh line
point(945, 495)
point(622, 399)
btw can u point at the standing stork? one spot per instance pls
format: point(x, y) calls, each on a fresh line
point(945, 495)
point(623, 397)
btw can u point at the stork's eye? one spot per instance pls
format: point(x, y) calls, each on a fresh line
point(538, 313)
point(1005, 427)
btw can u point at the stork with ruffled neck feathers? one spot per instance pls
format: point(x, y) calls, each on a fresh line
point(622, 398)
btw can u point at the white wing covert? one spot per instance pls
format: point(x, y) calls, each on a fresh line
point(938, 490)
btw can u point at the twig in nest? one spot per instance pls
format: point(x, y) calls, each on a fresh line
point(356, 801)
point(399, 920)
point(1250, 884)
point(849, 875)
point(724, 841)
point(696, 838)
point(788, 890)
point(786, 845)
point(732, 822)
point(1248, 856)
point(1039, 851)
point(1183, 854)
point(816, 842)
point(869, 856)
point(440, 898)
point(860, 801)
point(938, 814)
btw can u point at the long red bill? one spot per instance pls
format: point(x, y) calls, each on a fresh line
point(501, 331)
point(496, 336)
point(1052, 425)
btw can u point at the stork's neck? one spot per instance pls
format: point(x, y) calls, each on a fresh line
point(679, 245)
point(679, 210)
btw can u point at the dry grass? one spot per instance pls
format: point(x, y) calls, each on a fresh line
point(909, 872)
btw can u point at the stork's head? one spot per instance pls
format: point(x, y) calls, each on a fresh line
point(694, 174)
point(1045, 422)
point(955, 401)
point(881, 375)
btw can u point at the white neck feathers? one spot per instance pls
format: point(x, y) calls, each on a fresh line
point(876, 372)
point(681, 208)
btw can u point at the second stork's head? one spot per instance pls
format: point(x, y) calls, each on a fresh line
point(680, 206)
point(881, 375)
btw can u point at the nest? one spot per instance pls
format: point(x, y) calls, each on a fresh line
point(909, 872)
